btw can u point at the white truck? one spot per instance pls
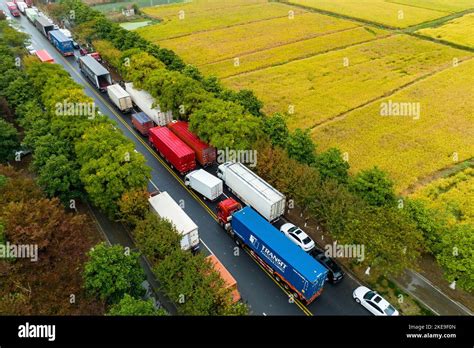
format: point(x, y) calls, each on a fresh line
point(120, 97)
point(22, 6)
point(31, 14)
point(252, 190)
point(204, 183)
point(147, 104)
point(165, 207)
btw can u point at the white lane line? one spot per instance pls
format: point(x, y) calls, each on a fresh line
point(156, 187)
point(212, 253)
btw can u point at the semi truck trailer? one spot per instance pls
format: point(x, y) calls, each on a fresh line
point(205, 154)
point(204, 183)
point(43, 24)
point(166, 208)
point(31, 14)
point(62, 43)
point(252, 190)
point(120, 97)
point(297, 271)
point(95, 72)
point(142, 123)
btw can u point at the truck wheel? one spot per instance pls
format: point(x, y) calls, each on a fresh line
point(285, 286)
point(277, 278)
point(357, 300)
point(237, 242)
point(295, 295)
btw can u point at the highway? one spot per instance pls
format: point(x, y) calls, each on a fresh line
point(258, 289)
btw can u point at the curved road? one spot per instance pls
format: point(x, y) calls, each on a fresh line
point(258, 289)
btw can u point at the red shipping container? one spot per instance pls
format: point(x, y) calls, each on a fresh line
point(205, 154)
point(177, 153)
point(142, 122)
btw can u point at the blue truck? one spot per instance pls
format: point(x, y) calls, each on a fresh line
point(297, 271)
point(62, 43)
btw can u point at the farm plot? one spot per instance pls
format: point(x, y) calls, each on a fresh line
point(227, 43)
point(181, 22)
point(439, 5)
point(297, 50)
point(395, 15)
point(323, 86)
point(452, 196)
point(459, 31)
point(409, 148)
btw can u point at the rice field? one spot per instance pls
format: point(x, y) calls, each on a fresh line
point(323, 86)
point(401, 14)
point(238, 40)
point(408, 148)
point(180, 21)
point(439, 5)
point(456, 31)
point(452, 196)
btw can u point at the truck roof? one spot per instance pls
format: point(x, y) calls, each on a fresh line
point(59, 35)
point(228, 279)
point(141, 94)
point(94, 65)
point(141, 117)
point(168, 209)
point(172, 141)
point(303, 263)
point(206, 177)
point(118, 91)
point(44, 56)
point(183, 128)
point(44, 21)
point(255, 181)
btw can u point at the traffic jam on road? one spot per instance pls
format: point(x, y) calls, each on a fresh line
point(248, 208)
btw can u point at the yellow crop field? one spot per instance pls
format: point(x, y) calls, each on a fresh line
point(452, 196)
point(220, 44)
point(440, 5)
point(323, 86)
point(181, 22)
point(459, 31)
point(297, 50)
point(378, 11)
point(408, 148)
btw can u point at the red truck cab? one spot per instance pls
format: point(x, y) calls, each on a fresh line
point(225, 209)
point(13, 9)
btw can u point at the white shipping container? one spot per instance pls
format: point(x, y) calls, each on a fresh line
point(165, 207)
point(22, 6)
point(145, 102)
point(120, 97)
point(252, 190)
point(204, 183)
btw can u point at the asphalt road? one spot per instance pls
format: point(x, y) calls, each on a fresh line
point(258, 289)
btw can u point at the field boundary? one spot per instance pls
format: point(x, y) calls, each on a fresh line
point(437, 22)
point(342, 115)
point(307, 56)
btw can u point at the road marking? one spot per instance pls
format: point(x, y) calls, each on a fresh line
point(206, 246)
point(265, 314)
point(156, 187)
point(180, 181)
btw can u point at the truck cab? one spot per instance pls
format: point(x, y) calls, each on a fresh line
point(225, 209)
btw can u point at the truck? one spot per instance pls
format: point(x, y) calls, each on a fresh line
point(31, 14)
point(44, 56)
point(166, 208)
point(204, 183)
point(95, 72)
point(142, 123)
point(43, 24)
point(229, 281)
point(172, 149)
point(205, 154)
point(252, 190)
point(13, 9)
point(147, 104)
point(120, 97)
point(298, 272)
point(61, 42)
point(22, 6)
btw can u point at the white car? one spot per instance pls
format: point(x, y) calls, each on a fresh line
point(31, 50)
point(373, 302)
point(297, 236)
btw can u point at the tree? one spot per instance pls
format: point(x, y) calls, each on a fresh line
point(374, 186)
point(8, 141)
point(156, 237)
point(134, 206)
point(137, 307)
point(112, 272)
point(18, 92)
point(138, 65)
point(456, 255)
point(225, 125)
point(300, 146)
point(331, 165)
point(192, 72)
point(47, 146)
point(246, 98)
point(275, 127)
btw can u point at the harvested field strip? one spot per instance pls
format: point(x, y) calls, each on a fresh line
point(291, 52)
point(410, 149)
point(323, 86)
point(198, 22)
point(197, 49)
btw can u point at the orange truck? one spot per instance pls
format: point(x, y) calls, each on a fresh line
point(229, 281)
